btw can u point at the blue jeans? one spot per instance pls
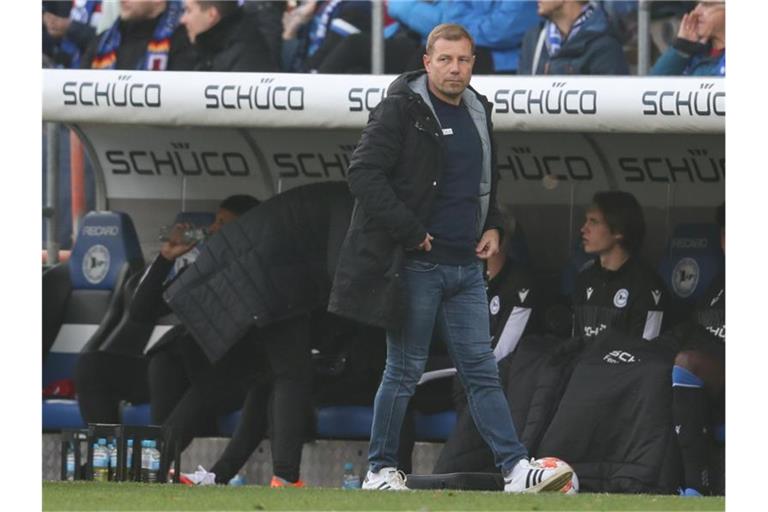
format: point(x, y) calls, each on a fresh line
point(453, 299)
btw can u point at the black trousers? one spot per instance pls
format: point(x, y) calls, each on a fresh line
point(103, 379)
point(282, 352)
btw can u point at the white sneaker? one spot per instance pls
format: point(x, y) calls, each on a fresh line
point(387, 479)
point(199, 477)
point(532, 476)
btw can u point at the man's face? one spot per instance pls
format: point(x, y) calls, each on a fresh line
point(196, 19)
point(449, 66)
point(135, 10)
point(223, 216)
point(596, 236)
point(711, 19)
point(547, 7)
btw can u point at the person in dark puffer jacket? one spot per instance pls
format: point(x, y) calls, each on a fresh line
point(575, 39)
point(225, 37)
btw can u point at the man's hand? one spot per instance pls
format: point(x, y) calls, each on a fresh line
point(426, 245)
point(488, 245)
point(175, 246)
point(687, 28)
point(55, 25)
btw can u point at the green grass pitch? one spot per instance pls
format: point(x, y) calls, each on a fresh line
point(135, 496)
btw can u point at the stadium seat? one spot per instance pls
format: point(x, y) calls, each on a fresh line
point(434, 427)
point(82, 302)
point(344, 422)
point(692, 261)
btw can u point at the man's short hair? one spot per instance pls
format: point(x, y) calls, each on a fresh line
point(450, 32)
point(623, 215)
point(225, 7)
point(239, 203)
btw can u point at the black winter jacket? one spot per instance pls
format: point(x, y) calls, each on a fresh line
point(233, 44)
point(271, 264)
point(394, 175)
point(614, 422)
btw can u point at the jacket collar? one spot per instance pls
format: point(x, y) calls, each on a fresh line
point(414, 85)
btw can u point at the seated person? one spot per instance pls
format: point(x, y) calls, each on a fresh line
point(700, 45)
point(698, 382)
point(617, 290)
point(146, 36)
point(68, 29)
point(225, 37)
point(576, 38)
point(104, 377)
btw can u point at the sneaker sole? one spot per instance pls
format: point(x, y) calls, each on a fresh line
point(552, 484)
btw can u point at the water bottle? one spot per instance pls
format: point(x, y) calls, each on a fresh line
point(129, 461)
point(101, 461)
point(150, 461)
point(70, 474)
point(190, 234)
point(112, 451)
point(350, 480)
point(154, 461)
point(237, 480)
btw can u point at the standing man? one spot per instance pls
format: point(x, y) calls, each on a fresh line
point(423, 176)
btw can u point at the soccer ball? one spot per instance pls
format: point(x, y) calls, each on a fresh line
point(572, 486)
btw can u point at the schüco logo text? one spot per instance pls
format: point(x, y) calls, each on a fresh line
point(101, 230)
point(702, 102)
point(264, 96)
point(559, 99)
point(119, 93)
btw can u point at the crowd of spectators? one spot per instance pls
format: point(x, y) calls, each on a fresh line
point(334, 36)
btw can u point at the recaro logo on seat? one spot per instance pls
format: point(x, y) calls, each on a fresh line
point(620, 357)
point(101, 230)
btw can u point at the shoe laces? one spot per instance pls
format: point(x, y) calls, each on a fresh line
point(399, 477)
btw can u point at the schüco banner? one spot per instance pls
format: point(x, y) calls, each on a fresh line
point(275, 100)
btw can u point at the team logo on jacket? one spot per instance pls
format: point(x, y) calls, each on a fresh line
point(621, 297)
point(656, 296)
point(589, 292)
point(619, 357)
point(523, 294)
point(96, 264)
point(685, 277)
point(495, 305)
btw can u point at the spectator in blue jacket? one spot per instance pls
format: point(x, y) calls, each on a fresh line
point(498, 27)
point(575, 39)
point(700, 45)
